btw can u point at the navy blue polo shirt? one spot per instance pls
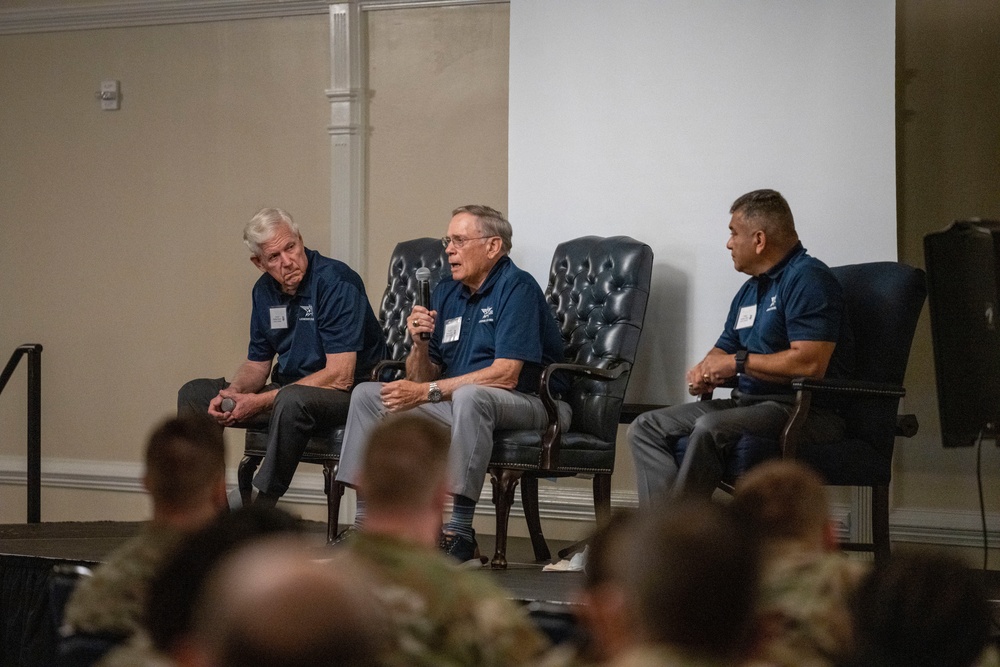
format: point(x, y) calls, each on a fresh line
point(507, 318)
point(328, 314)
point(798, 299)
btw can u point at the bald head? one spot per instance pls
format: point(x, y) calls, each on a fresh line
point(272, 604)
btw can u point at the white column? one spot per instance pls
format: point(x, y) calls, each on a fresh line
point(348, 130)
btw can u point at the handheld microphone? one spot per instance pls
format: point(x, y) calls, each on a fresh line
point(227, 405)
point(423, 276)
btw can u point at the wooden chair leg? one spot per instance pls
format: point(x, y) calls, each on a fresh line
point(504, 483)
point(244, 477)
point(334, 491)
point(602, 498)
point(529, 501)
point(880, 524)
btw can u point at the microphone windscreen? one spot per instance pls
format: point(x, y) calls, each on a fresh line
point(423, 274)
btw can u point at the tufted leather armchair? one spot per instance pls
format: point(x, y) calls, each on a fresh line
point(598, 289)
point(397, 300)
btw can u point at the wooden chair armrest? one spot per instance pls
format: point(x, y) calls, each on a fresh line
point(386, 364)
point(553, 432)
point(806, 387)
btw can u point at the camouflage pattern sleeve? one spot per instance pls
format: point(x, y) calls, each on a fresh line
point(445, 615)
point(112, 600)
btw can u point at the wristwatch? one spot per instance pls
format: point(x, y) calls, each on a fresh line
point(434, 393)
point(741, 361)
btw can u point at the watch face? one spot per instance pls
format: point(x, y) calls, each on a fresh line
point(434, 394)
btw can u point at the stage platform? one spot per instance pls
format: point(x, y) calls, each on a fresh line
point(29, 551)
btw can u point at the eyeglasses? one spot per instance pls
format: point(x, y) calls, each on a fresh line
point(460, 241)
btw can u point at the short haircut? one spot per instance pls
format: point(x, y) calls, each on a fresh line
point(491, 223)
point(921, 609)
point(784, 499)
point(692, 578)
point(405, 463)
point(271, 604)
point(262, 226)
point(185, 459)
point(767, 210)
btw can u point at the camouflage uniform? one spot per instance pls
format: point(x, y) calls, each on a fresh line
point(138, 651)
point(990, 657)
point(444, 615)
point(803, 610)
point(665, 656)
point(112, 600)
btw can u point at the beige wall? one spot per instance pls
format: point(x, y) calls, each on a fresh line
point(437, 82)
point(123, 253)
point(948, 138)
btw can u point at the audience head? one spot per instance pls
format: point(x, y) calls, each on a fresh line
point(172, 592)
point(186, 467)
point(491, 223)
point(691, 579)
point(398, 446)
point(921, 609)
point(767, 210)
point(785, 501)
point(603, 608)
point(271, 604)
point(263, 225)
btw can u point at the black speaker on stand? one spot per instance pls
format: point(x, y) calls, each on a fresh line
point(963, 290)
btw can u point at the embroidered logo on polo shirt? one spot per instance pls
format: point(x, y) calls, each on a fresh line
point(307, 314)
point(487, 315)
point(774, 303)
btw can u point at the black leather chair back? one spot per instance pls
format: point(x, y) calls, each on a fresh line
point(884, 300)
point(598, 289)
point(401, 288)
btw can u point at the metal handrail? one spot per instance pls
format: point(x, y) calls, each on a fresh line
point(34, 352)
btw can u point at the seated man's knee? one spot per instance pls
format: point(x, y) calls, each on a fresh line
point(369, 393)
point(639, 428)
point(195, 395)
point(290, 394)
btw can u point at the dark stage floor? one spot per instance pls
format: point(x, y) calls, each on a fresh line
point(90, 542)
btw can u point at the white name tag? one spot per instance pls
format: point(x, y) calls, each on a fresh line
point(452, 329)
point(747, 316)
point(279, 317)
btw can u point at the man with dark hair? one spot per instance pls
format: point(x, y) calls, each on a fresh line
point(442, 614)
point(489, 335)
point(922, 609)
point(186, 480)
point(787, 321)
point(312, 313)
point(693, 603)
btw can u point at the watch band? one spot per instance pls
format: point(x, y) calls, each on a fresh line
point(741, 361)
point(434, 393)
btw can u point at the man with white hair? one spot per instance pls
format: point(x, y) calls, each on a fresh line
point(312, 313)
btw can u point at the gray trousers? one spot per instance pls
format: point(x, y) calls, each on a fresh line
point(297, 413)
point(472, 414)
point(713, 429)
